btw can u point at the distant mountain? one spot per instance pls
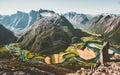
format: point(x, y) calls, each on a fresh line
point(107, 25)
point(78, 20)
point(49, 35)
point(21, 21)
point(6, 36)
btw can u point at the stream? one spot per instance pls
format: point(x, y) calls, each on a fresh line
point(89, 45)
point(94, 49)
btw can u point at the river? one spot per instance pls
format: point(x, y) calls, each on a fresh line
point(91, 45)
point(95, 48)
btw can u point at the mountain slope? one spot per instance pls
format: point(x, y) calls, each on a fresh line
point(107, 25)
point(20, 21)
point(6, 36)
point(50, 35)
point(78, 20)
point(30, 68)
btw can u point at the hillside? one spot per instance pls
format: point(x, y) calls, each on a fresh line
point(6, 36)
point(108, 25)
point(21, 21)
point(26, 68)
point(78, 20)
point(53, 44)
point(49, 35)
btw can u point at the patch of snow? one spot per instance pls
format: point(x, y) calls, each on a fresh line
point(19, 20)
point(29, 21)
point(15, 20)
point(46, 14)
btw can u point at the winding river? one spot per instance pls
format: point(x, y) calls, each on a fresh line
point(94, 49)
point(89, 45)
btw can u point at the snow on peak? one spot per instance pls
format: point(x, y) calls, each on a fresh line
point(46, 14)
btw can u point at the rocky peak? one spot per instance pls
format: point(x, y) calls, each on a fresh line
point(48, 35)
point(78, 20)
point(43, 10)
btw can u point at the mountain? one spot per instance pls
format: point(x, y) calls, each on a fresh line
point(49, 35)
point(21, 21)
point(6, 36)
point(78, 20)
point(106, 24)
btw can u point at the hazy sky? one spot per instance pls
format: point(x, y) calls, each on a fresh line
point(61, 6)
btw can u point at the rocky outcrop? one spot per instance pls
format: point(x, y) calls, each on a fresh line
point(105, 52)
point(26, 68)
point(104, 57)
point(111, 68)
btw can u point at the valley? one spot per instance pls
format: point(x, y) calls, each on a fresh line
point(45, 42)
point(87, 57)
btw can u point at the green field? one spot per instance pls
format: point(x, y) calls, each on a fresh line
point(59, 57)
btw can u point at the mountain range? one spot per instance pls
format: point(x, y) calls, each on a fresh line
point(48, 23)
point(46, 36)
point(106, 24)
point(49, 35)
point(78, 20)
point(21, 21)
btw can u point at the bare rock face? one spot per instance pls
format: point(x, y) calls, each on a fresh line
point(105, 51)
point(78, 20)
point(107, 25)
point(21, 21)
point(111, 68)
point(104, 57)
point(26, 68)
point(104, 23)
point(48, 35)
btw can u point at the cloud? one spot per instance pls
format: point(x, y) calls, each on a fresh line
point(115, 11)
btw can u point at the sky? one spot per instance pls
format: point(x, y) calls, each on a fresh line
point(61, 6)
